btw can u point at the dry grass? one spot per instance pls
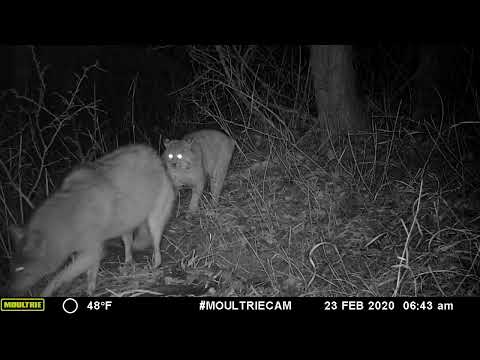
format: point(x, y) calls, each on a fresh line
point(391, 212)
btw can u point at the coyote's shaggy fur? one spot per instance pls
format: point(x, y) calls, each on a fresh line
point(101, 200)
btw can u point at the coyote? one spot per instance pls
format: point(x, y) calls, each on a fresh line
point(107, 198)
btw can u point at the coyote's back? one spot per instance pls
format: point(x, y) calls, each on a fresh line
point(97, 201)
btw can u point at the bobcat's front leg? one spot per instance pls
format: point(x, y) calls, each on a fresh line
point(197, 192)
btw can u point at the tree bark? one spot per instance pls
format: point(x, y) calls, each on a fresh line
point(338, 104)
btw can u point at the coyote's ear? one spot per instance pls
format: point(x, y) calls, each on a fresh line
point(33, 244)
point(18, 234)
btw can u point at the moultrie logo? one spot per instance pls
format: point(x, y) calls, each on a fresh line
point(23, 304)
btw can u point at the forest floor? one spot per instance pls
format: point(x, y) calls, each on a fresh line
point(303, 223)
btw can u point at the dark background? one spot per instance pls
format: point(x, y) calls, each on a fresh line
point(399, 72)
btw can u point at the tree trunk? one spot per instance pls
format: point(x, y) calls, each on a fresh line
point(338, 104)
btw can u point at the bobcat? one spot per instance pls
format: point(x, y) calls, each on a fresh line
point(201, 154)
point(98, 201)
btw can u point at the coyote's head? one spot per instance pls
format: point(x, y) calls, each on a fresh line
point(28, 261)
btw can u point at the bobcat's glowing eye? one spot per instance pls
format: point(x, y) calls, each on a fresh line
point(170, 156)
point(179, 156)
